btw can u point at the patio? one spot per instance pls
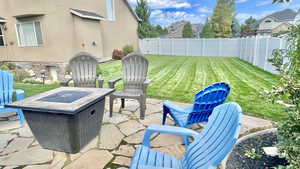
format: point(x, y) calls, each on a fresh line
point(113, 149)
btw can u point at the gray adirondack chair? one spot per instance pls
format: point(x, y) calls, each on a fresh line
point(84, 68)
point(135, 68)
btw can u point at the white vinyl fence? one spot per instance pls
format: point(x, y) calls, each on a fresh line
point(255, 50)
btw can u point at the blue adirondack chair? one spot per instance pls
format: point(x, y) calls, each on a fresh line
point(6, 94)
point(207, 150)
point(204, 103)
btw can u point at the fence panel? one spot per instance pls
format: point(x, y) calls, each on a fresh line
point(255, 50)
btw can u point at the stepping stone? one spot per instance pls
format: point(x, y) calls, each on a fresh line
point(10, 167)
point(153, 119)
point(110, 137)
point(17, 144)
point(31, 156)
point(123, 161)
point(24, 131)
point(131, 107)
point(75, 156)
point(153, 101)
point(9, 125)
point(163, 140)
point(250, 123)
point(7, 114)
point(5, 138)
point(93, 144)
point(37, 167)
point(174, 150)
point(93, 159)
point(116, 119)
point(124, 150)
point(58, 161)
point(130, 127)
point(151, 109)
point(137, 138)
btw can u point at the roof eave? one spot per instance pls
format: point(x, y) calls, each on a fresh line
point(132, 11)
point(85, 16)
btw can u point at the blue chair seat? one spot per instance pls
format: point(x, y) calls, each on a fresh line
point(145, 156)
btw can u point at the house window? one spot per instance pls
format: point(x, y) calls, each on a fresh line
point(1, 36)
point(29, 33)
point(110, 7)
point(268, 21)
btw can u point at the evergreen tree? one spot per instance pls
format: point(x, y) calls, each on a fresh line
point(187, 31)
point(248, 27)
point(142, 10)
point(236, 28)
point(222, 18)
point(207, 30)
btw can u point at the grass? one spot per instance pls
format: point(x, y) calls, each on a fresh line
point(178, 78)
point(32, 89)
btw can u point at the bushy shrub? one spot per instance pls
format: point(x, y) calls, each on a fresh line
point(287, 63)
point(20, 75)
point(117, 54)
point(128, 49)
point(8, 66)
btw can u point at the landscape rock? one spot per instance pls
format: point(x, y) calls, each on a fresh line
point(8, 114)
point(17, 144)
point(130, 127)
point(24, 131)
point(123, 161)
point(153, 119)
point(124, 150)
point(9, 125)
point(58, 161)
point(116, 119)
point(93, 159)
point(91, 145)
point(111, 137)
point(31, 156)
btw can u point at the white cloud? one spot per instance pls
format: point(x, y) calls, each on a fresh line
point(160, 4)
point(205, 10)
point(241, 1)
point(243, 16)
point(263, 2)
point(167, 18)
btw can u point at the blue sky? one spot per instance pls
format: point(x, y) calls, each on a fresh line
point(165, 12)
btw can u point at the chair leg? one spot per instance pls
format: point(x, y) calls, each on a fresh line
point(111, 105)
point(142, 108)
point(21, 116)
point(123, 103)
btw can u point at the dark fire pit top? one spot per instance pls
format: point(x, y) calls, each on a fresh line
point(64, 100)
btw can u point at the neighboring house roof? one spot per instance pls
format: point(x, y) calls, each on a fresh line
point(86, 14)
point(132, 11)
point(264, 31)
point(2, 19)
point(284, 15)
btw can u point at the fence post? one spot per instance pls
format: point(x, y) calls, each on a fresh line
point(266, 54)
point(172, 47)
point(202, 47)
point(158, 42)
point(255, 51)
point(186, 47)
point(219, 47)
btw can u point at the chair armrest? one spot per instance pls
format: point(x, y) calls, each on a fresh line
point(170, 105)
point(167, 130)
point(20, 94)
point(112, 82)
point(100, 81)
point(65, 82)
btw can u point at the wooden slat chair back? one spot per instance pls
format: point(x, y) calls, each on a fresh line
point(135, 68)
point(206, 100)
point(6, 94)
point(216, 140)
point(84, 68)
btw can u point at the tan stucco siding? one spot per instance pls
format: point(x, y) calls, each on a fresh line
point(116, 34)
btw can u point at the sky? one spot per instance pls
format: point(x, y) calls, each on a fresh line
point(165, 12)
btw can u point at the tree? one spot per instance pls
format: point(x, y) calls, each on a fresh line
point(187, 31)
point(145, 29)
point(160, 30)
point(236, 28)
point(222, 18)
point(249, 27)
point(207, 30)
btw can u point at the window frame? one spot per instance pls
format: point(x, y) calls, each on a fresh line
point(113, 17)
point(268, 21)
point(35, 33)
point(3, 36)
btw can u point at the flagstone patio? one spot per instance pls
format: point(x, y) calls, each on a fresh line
point(120, 135)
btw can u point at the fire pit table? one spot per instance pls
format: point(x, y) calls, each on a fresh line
point(65, 119)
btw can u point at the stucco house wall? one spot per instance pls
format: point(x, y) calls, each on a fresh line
point(65, 34)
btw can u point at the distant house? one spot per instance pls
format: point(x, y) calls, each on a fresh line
point(176, 28)
point(51, 31)
point(277, 22)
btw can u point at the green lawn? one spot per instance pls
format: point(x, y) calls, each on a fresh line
point(178, 78)
point(32, 89)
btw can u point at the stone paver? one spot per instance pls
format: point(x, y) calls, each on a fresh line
point(119, 137)
point(123, 161)
point(31, 156)
point(130, 127)
point(37, 167)
point(111, 137)
point(93, 159)
point(17, 145)
point(5, 138)
point(124, 150)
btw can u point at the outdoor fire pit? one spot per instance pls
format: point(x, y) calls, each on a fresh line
point(65, 119)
